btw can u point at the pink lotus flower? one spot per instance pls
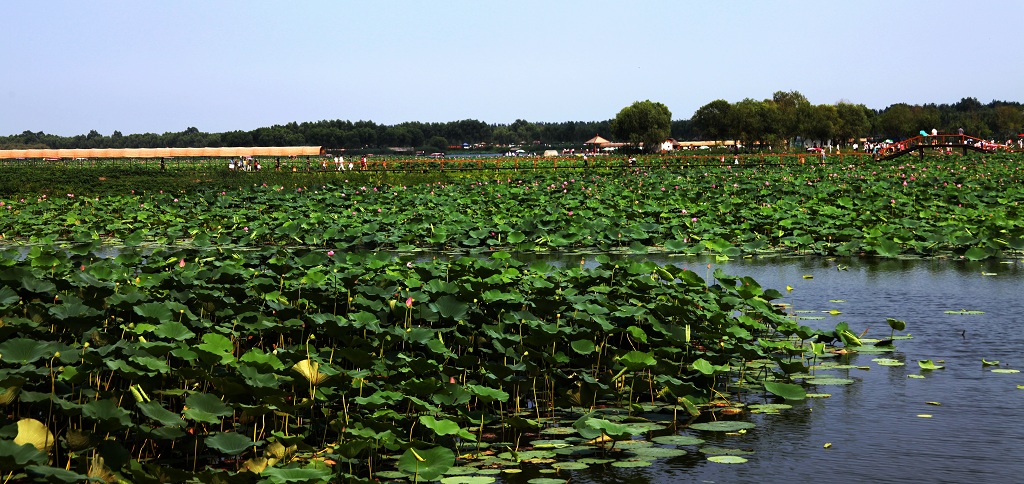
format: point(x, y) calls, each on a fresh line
point(408, 302)
point(181, 263)
point(330, 253)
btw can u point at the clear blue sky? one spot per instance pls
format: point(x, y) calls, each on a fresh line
point(158, 66)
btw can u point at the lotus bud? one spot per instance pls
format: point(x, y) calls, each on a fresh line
point(56, 354)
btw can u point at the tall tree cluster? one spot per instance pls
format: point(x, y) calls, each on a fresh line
point(776, 121)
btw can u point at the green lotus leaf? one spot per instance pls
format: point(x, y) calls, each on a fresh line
point(173, 330)
point(440, 427)
point(677, 440)
point(154, 310)
point(8, 296)
point(468, 480)
point(657, 452)
point(231, 443)
point(55, 474)
point(896, 324)
point(487, 395)
point(426, 464)
point(888, 362)
point(583, 346)
point(1005, 370)
point(23, 351)
point(452, 308)
point(723, 426)
point(976, 253)
point(727, 459)
point(788, 391)
point(825, 380)
point(108, 413)
point(217, 348)
point(14, 456)
point(291, 474)
point(157, 412)
point(929, 365)
point(203, 407)
point(637, 360)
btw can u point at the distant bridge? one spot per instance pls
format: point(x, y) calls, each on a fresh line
point(921, 143)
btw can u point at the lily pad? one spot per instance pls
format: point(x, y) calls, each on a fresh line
point(828, 381)
point(929, 365)
point(723, 426)
point(888, 362)
point(727, 459)
point(677, 440)
point(1005, 370)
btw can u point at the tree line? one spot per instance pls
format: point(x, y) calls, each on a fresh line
point(776, 121)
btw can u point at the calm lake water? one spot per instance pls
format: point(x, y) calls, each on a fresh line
point(976, 434)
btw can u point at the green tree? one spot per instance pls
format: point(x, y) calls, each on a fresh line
point(643, 122)
point(438, 143)
point(853, 121)
point(791, 106)
point(711, 121)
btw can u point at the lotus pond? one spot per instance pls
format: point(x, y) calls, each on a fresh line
point(302, 334)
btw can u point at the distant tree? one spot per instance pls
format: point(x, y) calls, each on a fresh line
point(644, 122)
point(711, 121)
point(438, 143)
point(897, 121)
point(853, 121)
point(792, 105)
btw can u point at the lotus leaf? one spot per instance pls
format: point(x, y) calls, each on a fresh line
point(727, 459)
point(929, 365)
point(206, 408)
point(306, 475)
point(788, 391)
point(723, 426)
point(231, 443)
point(426, 464)
point(677, 440)
point(24, 351)
point(32, 431)
point(14, 456)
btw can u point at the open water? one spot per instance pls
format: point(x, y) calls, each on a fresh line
point(975, 435)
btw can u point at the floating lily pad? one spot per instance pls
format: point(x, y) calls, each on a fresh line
point(836, 300)
point(727, 459)
point(1005, 370)
point(828, 381)
point(657, 452)
point(965, 312)
point(989, 363)
point(723, 426)
point(570, 465)
point(915, 376)
point(677, 440)
point(924, 415)
point(819, 395)
point(888, 362)
point(467, 480)
point(929, 365)
point(595, 460)
point(770, 407)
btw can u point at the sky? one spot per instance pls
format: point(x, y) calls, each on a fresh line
point(69, 67)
